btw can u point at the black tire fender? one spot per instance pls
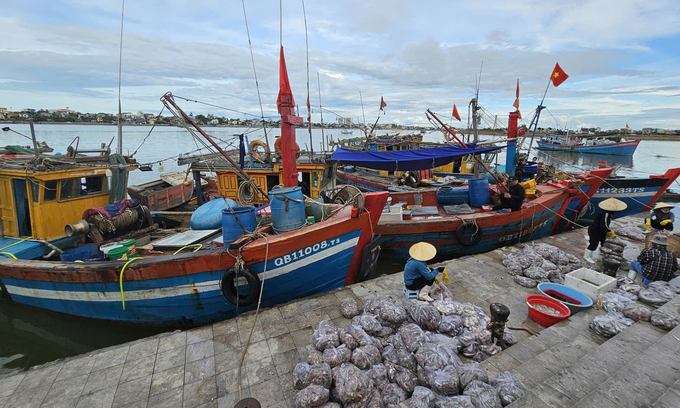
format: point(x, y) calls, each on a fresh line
point(476, 237)
point(228, 286)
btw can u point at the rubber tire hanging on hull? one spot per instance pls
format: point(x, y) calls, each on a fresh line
point(229, 291)
point(476, 237)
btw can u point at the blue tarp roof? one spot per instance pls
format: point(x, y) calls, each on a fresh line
point(405, 160)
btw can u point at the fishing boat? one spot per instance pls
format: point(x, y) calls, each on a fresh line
point(212, 283)
point(639, 193)
point(587, 144)
point(347, 132)
point(459, 234)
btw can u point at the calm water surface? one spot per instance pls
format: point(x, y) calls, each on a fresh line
point(31, 336)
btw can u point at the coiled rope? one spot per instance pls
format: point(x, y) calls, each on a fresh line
point(247, 193)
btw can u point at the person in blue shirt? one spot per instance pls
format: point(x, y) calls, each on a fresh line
point(417, 275)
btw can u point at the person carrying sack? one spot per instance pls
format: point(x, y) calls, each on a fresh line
point(599, 230)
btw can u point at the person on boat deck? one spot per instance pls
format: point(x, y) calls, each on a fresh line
point(599, 230)
point(519, 170)
point(656, 263)
point(417, 275)
point(662, 218)
point(512, 199)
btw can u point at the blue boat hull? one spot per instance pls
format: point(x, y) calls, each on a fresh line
point(635, 192)
point(194, 298)
point(618, 149)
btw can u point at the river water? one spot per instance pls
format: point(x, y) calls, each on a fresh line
point(31, 336)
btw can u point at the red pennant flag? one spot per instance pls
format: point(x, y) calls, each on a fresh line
point(382, 104)
point(558, 76)
point(309, 114)
point(627, 125)
point(520, 115)
point(284, 84)
point(516, 103)
point(455, 112)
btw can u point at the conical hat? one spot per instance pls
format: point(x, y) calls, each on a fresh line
point(663, 205)
point(612, 204)
point(422, 251)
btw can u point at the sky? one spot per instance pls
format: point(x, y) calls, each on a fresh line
point(622, 58)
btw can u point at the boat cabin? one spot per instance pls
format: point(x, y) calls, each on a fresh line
point(38, 200)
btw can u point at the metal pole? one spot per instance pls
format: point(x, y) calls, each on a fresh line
point(476, 133)
point(362, 107)
point(35, 142)
point(318, 81)
point(119, 148)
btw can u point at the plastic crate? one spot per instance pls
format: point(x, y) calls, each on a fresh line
point(590, 282)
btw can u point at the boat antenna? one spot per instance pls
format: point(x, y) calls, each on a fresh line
point(537, 115)
point(321, 113)
point(257, 84)
point(309, 108)
point(119, 148)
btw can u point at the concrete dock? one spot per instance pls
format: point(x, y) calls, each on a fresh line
point(562, 366)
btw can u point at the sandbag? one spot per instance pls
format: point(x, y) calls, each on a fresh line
point(483, 395)
point(637, 312)
point(326, 335)
point(424, 315)
point(349, 308)
point(471, 372)
point(305, 375)
point(350, 384)
point(312, 396)
point(334, 356)
point(664, 320)
point(508, 387)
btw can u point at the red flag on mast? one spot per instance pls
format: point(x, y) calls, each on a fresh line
point(382, 104)
point(455, 112)
point(284, 83)
point(558, 76)
point(516, 103)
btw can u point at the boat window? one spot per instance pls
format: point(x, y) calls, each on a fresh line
point(66, 189)
point(315, 179)
point(90, 185)
point(50, 190)
point(35, 190)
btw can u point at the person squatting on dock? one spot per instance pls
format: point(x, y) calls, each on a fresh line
point(513, 198)
point(655, 263)
point(599, 230)
point(417, 275)
point(662, 218)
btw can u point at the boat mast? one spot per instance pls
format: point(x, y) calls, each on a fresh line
point(534, 120)
point(119, 148)
point(286, 105)
point(475, 108)
point(318, 81)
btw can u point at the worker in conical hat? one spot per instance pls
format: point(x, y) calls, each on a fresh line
point(599, 230)
point(417, 275)
point(661, 218)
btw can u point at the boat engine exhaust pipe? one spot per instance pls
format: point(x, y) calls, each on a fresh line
point(79, 228)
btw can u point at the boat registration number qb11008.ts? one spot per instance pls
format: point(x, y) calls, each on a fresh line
point(302, 253)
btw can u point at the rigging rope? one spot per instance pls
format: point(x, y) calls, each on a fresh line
point(257, 85)
point(149, 134)
point(218, 106)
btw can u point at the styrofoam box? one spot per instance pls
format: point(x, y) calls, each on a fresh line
point(590, 282)
point(396, 209)
point(390, 218)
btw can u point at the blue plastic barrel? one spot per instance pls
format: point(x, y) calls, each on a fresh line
point(288, 209)
point(231, 229)
point(448, 195)
point(78, 254)
point(209, 215)
point(479, 192)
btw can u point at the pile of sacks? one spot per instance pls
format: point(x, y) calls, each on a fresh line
point(394, 352)
point(623, 311)
point(538, 263)
point(612, 256)
point(631, 231)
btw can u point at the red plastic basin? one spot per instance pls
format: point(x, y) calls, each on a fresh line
point(545, 319)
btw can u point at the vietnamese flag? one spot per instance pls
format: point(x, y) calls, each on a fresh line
point(455, 113)
point(382, 104)
point(558, 76)
point(284, 84)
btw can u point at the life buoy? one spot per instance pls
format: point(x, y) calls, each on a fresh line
point(277, 148)
point(228, 287)
point(477, 233)
point(253, 150)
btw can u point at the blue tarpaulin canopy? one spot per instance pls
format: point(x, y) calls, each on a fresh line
point(407, 160)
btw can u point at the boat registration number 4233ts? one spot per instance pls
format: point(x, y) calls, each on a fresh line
point(299, 254)
point(621, 190)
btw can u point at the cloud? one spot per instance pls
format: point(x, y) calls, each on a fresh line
point(416, 55)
